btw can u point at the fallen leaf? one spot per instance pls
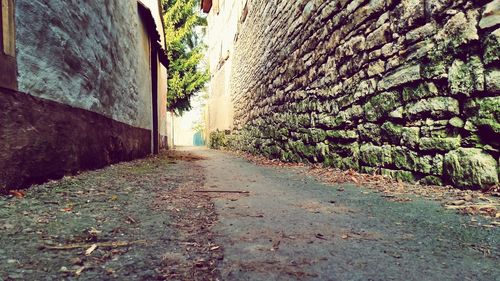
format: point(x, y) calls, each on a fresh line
point(18, 193)
point(79, 271)
point(89, 251)
point(456, 202)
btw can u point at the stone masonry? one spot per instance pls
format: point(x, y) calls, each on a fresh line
point(405, 88)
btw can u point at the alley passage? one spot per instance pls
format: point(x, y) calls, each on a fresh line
point(148, 220)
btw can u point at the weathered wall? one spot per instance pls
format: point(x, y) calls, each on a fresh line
point(408, 88)
point(44, 139)
point(85, 89)
point(223, 21)
point(89, 54)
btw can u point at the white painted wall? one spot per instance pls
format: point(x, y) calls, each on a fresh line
point(89, 54)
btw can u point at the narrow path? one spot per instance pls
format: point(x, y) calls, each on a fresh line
point(290, 227)
point(147, 220)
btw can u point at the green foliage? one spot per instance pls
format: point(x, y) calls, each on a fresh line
point(185, 53)
point(218, 139)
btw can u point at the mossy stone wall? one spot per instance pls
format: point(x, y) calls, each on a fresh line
point(406, 88)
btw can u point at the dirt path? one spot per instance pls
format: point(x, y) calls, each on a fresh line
point(290, 227)
point(143, 217)
point(147, 220)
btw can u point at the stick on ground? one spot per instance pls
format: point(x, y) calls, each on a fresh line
point(221, 191)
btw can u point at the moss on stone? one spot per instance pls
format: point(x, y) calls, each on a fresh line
point(423, 90)
point(492, 47)
point(465, 78)
point(439, 144)
point(485, 115)
point(391, 132)
point(317, 135)
point(456, 122)
point(470, 168)
point(381, 104)
point(369, 132)
point(404, 158)
point(342, 134)
point(435, 107)
point(375, 156)
point(401, 175)
point(431, 180)
point(428, 164)
point(410, 136)
point(493, 80)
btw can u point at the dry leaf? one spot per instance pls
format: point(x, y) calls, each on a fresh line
point(456, 203)
point(79, 271)
point(17, 193)
point(89, 251)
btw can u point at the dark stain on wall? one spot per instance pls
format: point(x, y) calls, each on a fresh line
point(41, 140)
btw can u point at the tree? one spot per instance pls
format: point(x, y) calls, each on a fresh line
point(186, 75)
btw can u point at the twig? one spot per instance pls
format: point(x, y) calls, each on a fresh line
point(98, 244)
point(222, 191)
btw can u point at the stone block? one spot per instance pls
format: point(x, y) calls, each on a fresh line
point(423, 90)
point(493, 81)
point(456, 122)
point(379, 36)
point(439, 144)
point(381, 104)
point(429, 164)
point(459, 30)
point(369, 132)
point(401, 175)
point(491, 15)
point(391, 133)
point(401, 76)
point(410, 136)
point(435, 107)
point(342, 134)
point(375, 156)
point(485, 114)
point(431, 180)
point(470, 168)
point(465, 78)
point(403, 158)
point(492, 47)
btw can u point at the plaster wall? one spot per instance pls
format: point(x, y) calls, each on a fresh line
point(223, 22)
point(88, 54)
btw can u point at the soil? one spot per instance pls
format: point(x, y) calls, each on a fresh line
point(142, 215)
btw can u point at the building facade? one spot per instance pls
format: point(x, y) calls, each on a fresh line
point(82, 85)
point(223, 18)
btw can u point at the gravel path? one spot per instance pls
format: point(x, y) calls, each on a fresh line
point(148, 220)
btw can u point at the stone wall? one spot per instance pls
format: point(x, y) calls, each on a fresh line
point(407, 88)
